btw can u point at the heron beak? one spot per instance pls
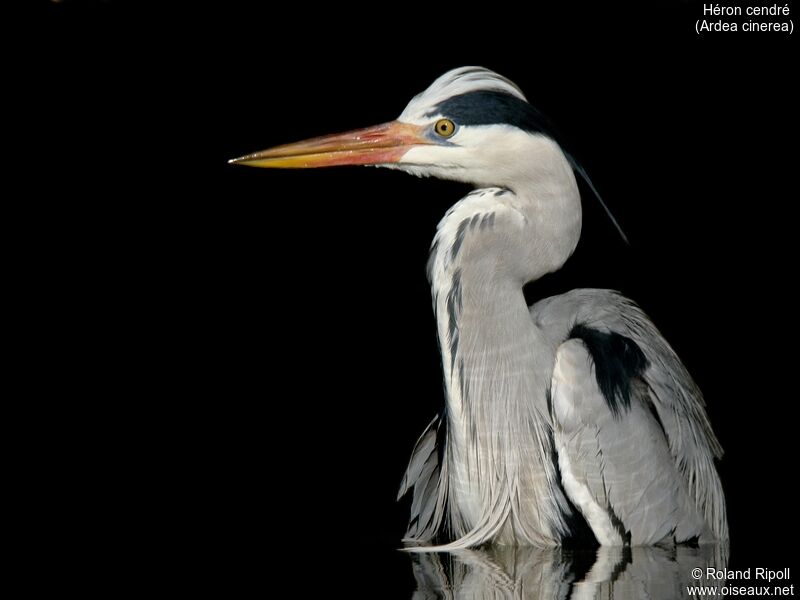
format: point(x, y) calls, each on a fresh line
point(381, 144)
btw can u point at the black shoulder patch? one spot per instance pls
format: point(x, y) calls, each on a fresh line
point(616, 360)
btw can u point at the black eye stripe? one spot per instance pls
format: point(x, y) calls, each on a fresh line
point(488, 107)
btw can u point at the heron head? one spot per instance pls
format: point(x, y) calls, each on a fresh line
point(470, 125)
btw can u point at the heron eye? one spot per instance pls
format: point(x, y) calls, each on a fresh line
point(445, 128)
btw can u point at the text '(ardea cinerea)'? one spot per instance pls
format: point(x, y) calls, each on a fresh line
point(570, 412)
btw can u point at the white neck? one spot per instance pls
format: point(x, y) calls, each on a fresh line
point(487, 247)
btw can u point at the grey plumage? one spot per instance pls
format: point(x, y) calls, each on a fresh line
point(669, 390)
point(424, 473)
point(526, 442)
point(536, 423)
point(658, 482)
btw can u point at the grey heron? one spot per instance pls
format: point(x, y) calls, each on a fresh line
point(572, 411)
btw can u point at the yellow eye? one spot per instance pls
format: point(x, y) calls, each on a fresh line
point(444, 128)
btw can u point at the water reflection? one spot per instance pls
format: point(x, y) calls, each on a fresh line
point(619, 573)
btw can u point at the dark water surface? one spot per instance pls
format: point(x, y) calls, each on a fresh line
point(535, 573)
point(507, 572)
point(504, 572)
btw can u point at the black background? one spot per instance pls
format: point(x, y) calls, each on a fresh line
point(255, 350)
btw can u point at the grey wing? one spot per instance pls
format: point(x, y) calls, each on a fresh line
point(425, 473)
point(676, 399)
point(616, 466)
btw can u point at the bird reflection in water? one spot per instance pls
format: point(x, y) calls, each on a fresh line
point(556, 573)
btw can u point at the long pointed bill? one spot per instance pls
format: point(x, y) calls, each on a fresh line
point(381, 144)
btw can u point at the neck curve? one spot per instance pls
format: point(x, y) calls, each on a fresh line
point(497, 362)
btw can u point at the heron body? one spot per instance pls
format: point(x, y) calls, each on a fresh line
point(572, 411)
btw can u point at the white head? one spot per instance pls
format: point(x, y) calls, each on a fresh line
point(470, 125)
